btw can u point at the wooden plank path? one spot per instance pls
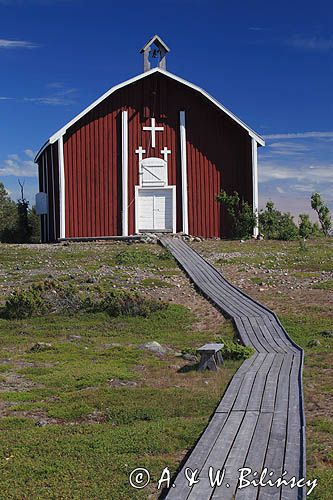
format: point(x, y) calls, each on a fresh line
point(259, 423)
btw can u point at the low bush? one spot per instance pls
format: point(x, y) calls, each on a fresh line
point(119, 303)
point(140, 256)
point(241, 213)
point(24, 304)
point(233, 350)
point(52, 297)
point(276, 225)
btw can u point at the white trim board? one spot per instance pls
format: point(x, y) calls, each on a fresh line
point(255, 191)
point(183, 161)
point(124, 164)
point(62, 198)
point(63, 130)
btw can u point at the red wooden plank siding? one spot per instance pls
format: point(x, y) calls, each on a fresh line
point(218, 156)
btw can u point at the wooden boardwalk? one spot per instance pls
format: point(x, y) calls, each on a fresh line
point(259, 423)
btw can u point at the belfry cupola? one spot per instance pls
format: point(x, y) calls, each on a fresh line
point(154, 53)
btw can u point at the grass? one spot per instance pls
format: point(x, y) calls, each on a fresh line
point(272, 254)
point(109, 406)
point(325, 285)
point(105, 406)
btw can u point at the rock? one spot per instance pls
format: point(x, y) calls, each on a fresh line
point(189, 357)
point(314, 343)
point(197, 239)
point(41, 423)
point(41, 346)
point(154, 347)
point(260, 237)
point(116, 382)
point(91, 279)
point(75, 337)
point(327, 333)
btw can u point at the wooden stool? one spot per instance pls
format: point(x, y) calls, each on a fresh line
point(211, 357)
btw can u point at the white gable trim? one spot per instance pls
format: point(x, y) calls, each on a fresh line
point(63, 130)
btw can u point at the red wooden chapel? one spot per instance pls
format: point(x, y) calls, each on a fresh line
point(150, 155)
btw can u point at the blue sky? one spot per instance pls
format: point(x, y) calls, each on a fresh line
point(271, 63)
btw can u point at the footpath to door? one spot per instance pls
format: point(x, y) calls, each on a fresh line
point(259, 423)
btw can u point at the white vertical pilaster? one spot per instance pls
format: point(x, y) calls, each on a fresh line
point(183, 161)
point(53, 197)
point(46, 189)
point(62, 187)
point(255, 183)
point(124, 162)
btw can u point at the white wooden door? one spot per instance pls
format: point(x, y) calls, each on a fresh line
point(155, 210)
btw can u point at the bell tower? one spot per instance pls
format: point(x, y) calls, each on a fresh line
point(155, 49)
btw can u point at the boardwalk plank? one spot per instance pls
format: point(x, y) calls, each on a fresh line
point(217, 456)
point(260, 419)
point(236, 457)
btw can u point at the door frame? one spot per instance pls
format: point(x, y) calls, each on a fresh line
point(165, 188)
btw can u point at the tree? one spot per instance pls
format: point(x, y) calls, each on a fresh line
point(276, 225)
point(243, 218)
point(305, 227)
point(8, 216)
point(24, 228)
point(323, 213)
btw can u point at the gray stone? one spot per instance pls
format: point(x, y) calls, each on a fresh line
point(189, 357)
point(41, 423)
point(154, 347)
point(41, 346)
point(91, 279)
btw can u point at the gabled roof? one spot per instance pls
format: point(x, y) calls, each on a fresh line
point(157, 41)
point(63, 130)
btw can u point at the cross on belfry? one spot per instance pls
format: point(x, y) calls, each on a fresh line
point(153, 129)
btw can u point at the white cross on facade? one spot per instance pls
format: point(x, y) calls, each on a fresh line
point(140, 152)
point(153, 129)
point(165, 152)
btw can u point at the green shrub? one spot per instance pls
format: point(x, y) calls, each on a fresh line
point(18, 222)
point(119, 303)
point(233, 350)
point(52, 297)
point(323, 213)
point(305, 227)
point(24, 304)
point(241, 213)
point(140, 256)
point(276, 225)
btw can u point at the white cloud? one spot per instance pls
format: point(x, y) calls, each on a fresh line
point(17, 44)
point(314, 43)
point(16, 166)
point(315, 173)
point(287, 148)
point(30, 153)
point(299, 135)
point(60, 97)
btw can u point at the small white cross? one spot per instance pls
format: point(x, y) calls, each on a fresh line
point(153, 129)
point(165, 152)
point(140, 152)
